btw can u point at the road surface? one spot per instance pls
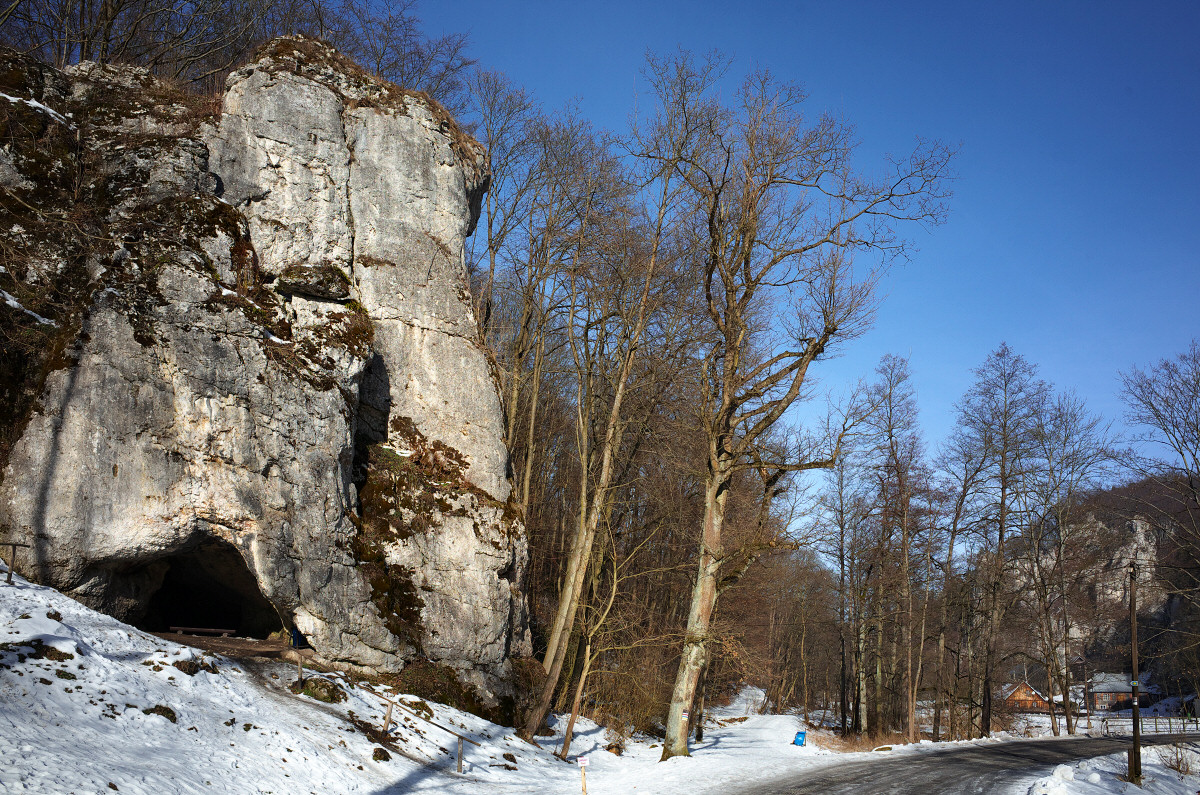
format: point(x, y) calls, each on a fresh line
point(980, 769)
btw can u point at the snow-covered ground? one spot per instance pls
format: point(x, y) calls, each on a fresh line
point(86, 706)
point(91, 705)
point(1037, 724)
point(1105, 775)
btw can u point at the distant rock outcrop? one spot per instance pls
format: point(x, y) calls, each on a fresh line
point(241, 377)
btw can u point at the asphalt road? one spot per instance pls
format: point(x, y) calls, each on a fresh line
point(982, 769)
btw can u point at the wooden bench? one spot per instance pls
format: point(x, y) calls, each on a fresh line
point(224, 633)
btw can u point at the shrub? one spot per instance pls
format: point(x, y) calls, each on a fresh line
point(321, 689)
point(161, 709)
point(1178, 758)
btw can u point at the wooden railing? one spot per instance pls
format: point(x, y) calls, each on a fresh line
point(387, 723)
point(394, 704)
point(1150, 724)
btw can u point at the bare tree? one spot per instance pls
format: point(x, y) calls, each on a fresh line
point(612, 308)
point(506, 114)
point(902, 481)
point(961, 462)
point(1074, 451)
point(999, 415)
point(779, 213)
point(199, 41)
point(386, 37)
point(845, 507)
point(191, 41)
point(1164, 402)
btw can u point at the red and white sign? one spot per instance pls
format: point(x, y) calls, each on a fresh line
point(582, 760)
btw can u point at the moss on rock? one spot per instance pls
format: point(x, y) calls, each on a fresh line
point(324, 281)
point(321, 689)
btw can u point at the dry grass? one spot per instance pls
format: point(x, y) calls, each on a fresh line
point(852, 743)
point(1178, 758)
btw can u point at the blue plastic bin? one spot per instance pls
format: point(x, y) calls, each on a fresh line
point(799, 738)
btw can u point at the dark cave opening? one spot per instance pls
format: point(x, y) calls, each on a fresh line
point(374, 407)
point(210, 587)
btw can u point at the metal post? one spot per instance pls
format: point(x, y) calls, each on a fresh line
point(1135, 753)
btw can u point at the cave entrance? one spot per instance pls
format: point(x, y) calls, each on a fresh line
point(210, 587)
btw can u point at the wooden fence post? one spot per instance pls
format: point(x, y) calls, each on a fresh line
point(12, 558)
point(387, 723)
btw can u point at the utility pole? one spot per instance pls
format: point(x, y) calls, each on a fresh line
point(1135, 753)
point(1087, 695)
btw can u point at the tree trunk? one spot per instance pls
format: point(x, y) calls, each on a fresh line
point(985, 699)
point(704, 599)
point(910, 702)
point(941, 680)
point(1050, 705)
point(804, 666)
point(564, 621)
point(843, 688)
point(860, 714)
point(970, 661)
point(920, 672)
point(530, 441)
point(583, 674)
point(874, 728)
point(574, 662)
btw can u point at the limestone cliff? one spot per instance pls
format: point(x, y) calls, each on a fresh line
point(240, 363)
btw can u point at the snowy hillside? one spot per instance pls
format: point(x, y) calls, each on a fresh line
point(91, 705)
point(88, 704)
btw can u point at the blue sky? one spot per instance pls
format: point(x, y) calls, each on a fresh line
point(1075, 228)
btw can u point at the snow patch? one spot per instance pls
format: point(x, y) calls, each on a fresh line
point(15, 304)
point(33, 103)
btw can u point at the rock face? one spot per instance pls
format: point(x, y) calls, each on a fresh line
point(248, 341)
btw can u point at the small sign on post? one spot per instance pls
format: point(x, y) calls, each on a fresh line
point(583, 763)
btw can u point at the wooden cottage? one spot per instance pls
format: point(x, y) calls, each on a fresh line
point(1023, 697)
